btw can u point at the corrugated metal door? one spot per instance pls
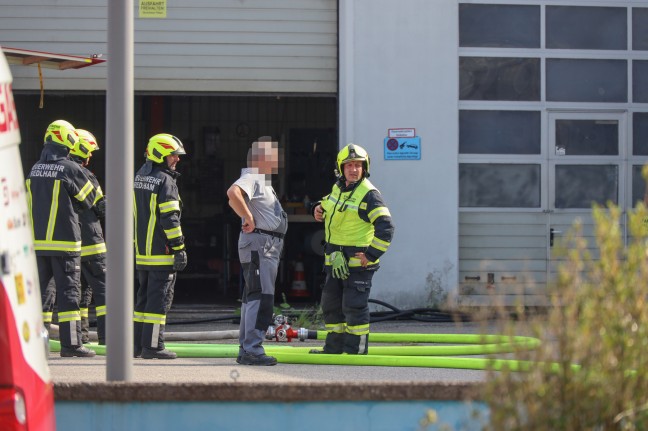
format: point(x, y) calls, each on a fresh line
point(283, 46)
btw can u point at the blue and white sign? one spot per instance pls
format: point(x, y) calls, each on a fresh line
point(403, 148)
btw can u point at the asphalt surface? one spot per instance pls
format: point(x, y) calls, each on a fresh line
point(192, 318)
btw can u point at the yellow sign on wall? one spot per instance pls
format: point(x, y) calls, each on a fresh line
point(152, 8)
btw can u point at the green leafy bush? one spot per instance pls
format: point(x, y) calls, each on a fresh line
point(591, 371)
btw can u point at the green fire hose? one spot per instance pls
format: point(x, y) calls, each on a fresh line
point(448, 355)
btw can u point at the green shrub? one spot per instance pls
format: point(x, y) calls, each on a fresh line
point(591, 371)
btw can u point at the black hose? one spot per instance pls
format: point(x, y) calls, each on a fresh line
point(234, 318)
point(417, 314)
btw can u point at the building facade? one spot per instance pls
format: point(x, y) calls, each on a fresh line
point(525, 113)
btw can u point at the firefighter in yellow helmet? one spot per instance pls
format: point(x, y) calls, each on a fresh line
point(358, 230)
point(93, 245)
point(58, 189)
point(159, 243)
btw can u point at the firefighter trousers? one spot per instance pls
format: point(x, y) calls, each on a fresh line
point(259, 255)
point(345, 308)
point(66, 271)
point(93, 285)
point(154, 298)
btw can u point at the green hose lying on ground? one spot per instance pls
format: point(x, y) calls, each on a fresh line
point(435, 356)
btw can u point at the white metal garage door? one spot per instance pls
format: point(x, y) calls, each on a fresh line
point(202, 45)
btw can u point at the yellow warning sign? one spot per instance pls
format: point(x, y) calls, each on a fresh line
point(20, 288)
point(152, 8)
point(25, 332)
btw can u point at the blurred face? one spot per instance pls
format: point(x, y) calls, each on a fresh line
point(172, 160)
point(265, 157)
point(352, 171)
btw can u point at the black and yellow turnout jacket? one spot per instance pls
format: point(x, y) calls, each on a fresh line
point(157, 210)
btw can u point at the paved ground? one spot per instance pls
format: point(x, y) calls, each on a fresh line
point(224, 370)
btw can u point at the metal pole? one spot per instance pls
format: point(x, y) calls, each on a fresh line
point(119, 182)
point(346, 81)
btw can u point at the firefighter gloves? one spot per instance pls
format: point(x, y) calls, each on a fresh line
point(339, 264)
point(180, 260)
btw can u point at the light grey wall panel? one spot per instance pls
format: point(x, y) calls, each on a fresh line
point(202, 45)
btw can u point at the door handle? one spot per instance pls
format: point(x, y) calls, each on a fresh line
point(552, 232)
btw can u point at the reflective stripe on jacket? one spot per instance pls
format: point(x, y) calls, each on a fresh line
point(57, 189)
point(356, 220)
point(92, 238)
point(157, 211)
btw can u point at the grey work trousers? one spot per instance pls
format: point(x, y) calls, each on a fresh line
point(259, 255)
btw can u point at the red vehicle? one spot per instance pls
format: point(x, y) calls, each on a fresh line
point(26, 391)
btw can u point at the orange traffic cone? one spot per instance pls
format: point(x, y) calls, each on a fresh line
point(298, 288)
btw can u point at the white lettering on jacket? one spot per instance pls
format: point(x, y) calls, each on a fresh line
point(48, 170)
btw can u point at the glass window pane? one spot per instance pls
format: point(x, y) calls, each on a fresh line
point(640, 28)
point(499, 185)
point(499, 132)
point(640, 133)
point(579, 186)
point(640, 81)
point(638, 185)
point(508, 26)
point(571, 80)
point(587, 138)
point(573, 27)
point(497, 78)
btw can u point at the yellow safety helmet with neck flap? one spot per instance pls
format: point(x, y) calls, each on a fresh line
point(162, 145)
point(351, 153)
point(61, 132)
point(85, 145)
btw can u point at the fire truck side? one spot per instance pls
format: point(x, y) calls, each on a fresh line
point(26, 391)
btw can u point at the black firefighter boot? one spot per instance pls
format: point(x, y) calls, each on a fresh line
point(356, 344)
point(334, 344)
point(77, 349)
point(158, 352)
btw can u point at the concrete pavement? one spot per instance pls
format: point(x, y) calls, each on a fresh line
point(226, 370)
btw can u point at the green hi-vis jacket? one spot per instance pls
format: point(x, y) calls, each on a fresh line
point(57, 189)
point(157, 210)
point(356, 219)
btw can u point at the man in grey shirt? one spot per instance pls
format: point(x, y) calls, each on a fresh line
point(264, 225)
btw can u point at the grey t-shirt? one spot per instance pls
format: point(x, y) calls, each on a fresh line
point(262, 201)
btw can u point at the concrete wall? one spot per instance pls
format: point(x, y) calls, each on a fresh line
point(277, 405)
point(272, 416)
point(398, 68)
